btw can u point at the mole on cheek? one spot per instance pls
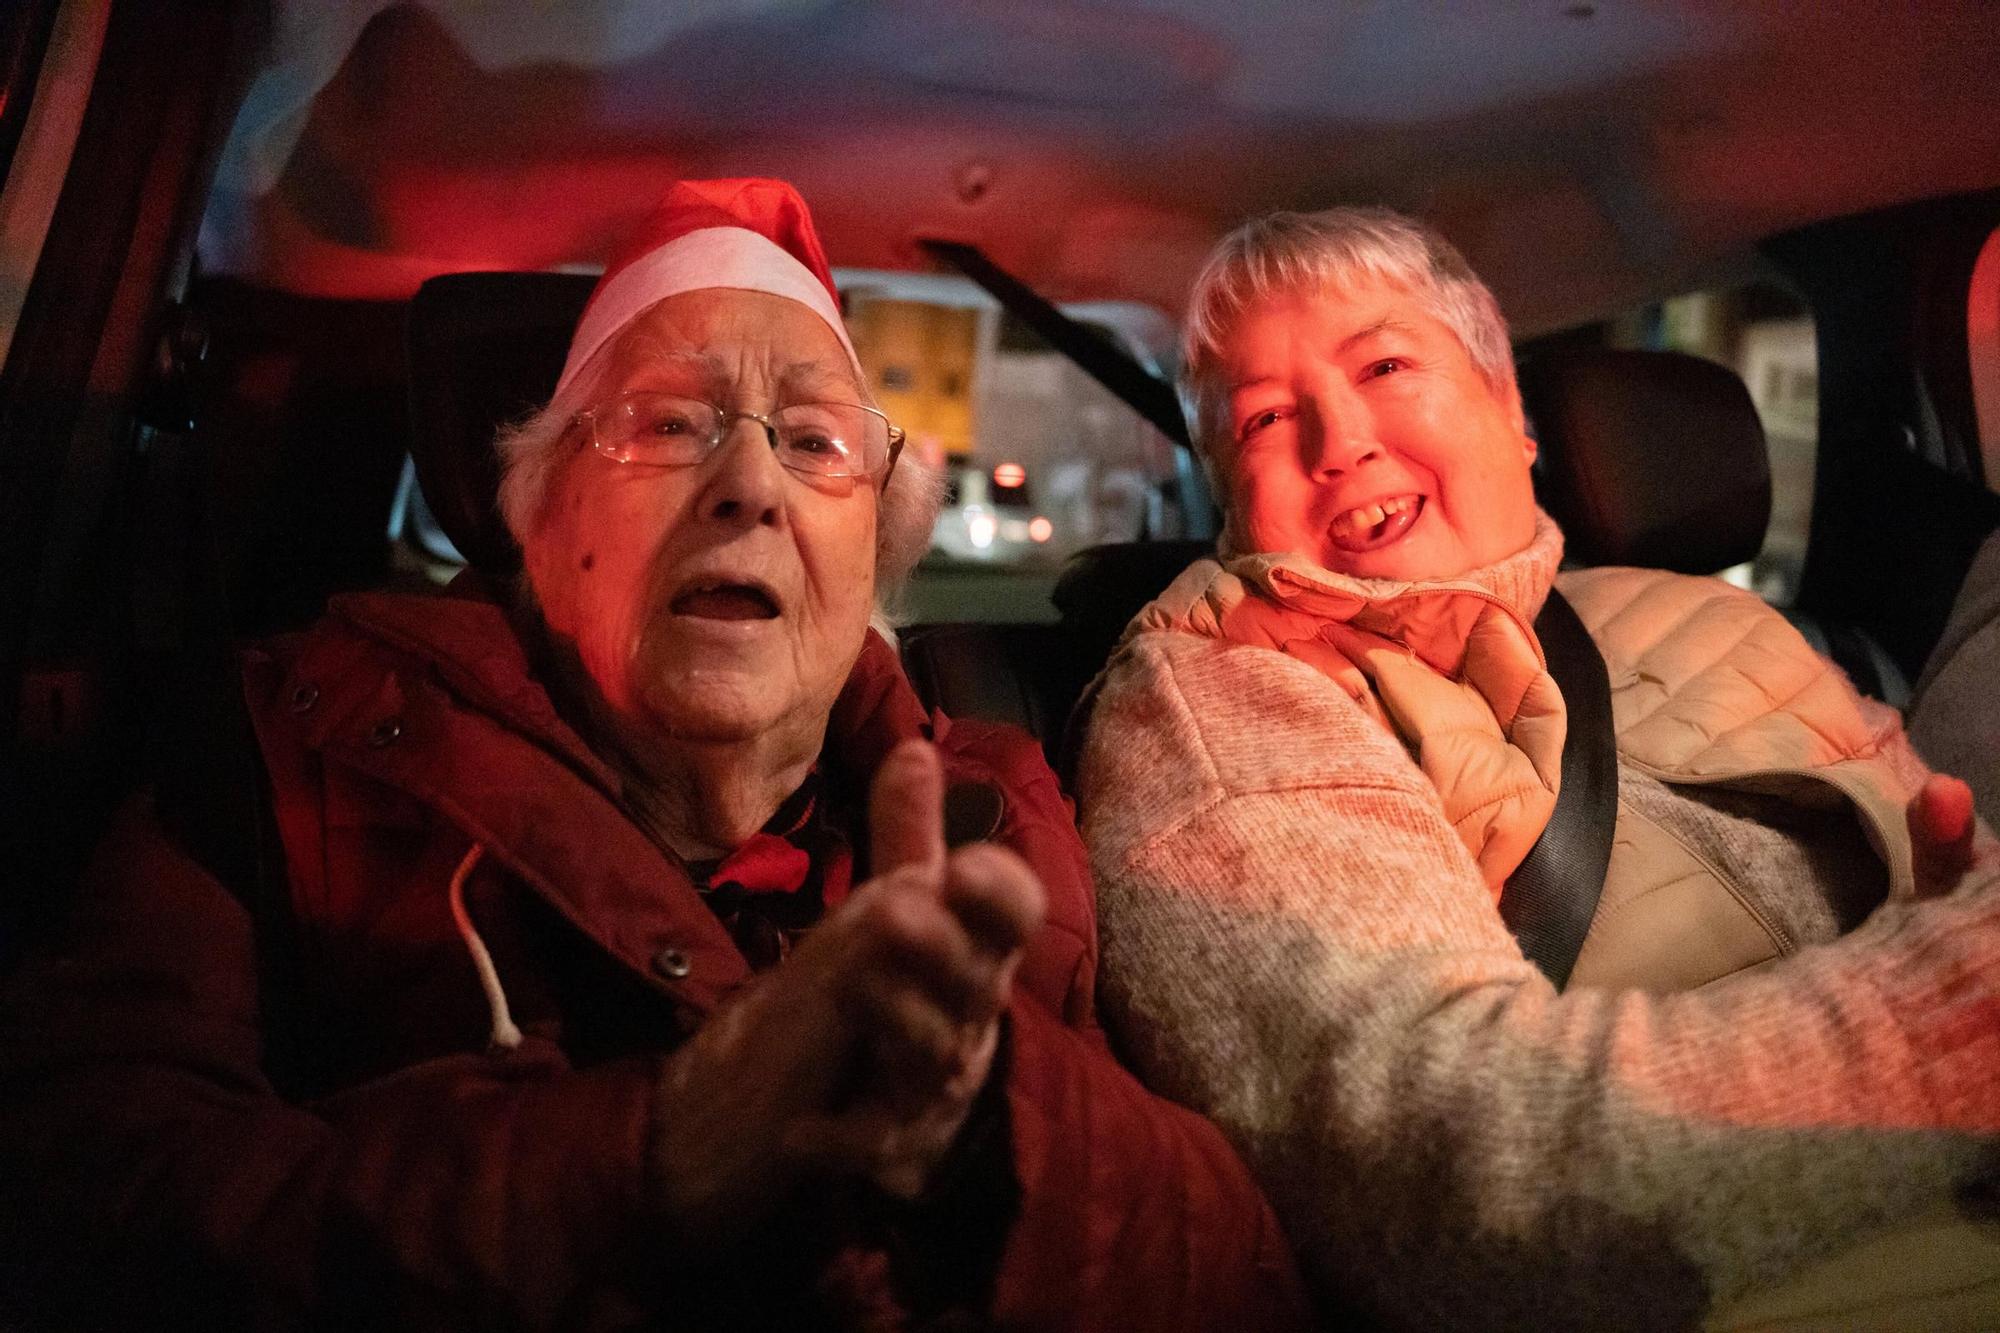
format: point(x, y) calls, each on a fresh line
point(589, 561)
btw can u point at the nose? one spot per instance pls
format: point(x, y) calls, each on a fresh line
point(1339, 434)
point(745, 485)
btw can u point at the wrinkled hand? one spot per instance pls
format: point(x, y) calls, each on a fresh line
point(862, 1052)
point(1941, 825)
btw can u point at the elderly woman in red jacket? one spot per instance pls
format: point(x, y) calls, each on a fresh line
point(622, 970)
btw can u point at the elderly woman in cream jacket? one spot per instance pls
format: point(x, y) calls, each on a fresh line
point(1312, 767)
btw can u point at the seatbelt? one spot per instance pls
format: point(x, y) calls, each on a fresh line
point(1550, 899)
point(1151, 396)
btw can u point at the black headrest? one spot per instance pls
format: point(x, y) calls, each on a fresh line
point(1648, 458)
point(1102, 587)
point(484, 349)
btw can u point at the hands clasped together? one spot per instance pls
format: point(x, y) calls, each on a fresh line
point(860, 1054)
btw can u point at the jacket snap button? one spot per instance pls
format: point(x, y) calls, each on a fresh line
point(385, 732)
point(672, 963)
point(304, 697)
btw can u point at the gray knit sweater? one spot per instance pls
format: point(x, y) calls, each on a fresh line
point(1296, 944)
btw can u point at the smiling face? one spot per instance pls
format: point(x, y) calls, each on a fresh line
point(1356, 431)
point(717, 601)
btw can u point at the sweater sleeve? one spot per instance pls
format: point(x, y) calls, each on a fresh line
point(140, 1134)
point(1295, 944)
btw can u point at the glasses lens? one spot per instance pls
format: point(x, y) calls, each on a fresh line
point(658, 428)
point(831, 439)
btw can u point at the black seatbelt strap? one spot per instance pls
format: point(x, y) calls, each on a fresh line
point(1137, 387)
point(1550, 899)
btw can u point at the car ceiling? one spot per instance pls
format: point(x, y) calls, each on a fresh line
point(1585, 155)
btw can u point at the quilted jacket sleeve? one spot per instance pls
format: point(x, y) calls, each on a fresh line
point(145, 1157)
point(141, 1145)
point(1295, 944)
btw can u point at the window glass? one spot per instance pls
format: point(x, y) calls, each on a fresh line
point(1982, 345)
point(38, 130)
point(1765, 334)
point(1039, 459)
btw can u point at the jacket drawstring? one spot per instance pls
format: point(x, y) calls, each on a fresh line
point(505, 1036)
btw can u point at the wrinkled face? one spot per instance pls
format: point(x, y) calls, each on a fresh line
point(1357, 432)
point(716, 601)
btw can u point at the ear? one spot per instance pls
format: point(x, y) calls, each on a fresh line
point(1517, 417)
point(1217, 472)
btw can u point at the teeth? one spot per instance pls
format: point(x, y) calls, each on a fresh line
point(1367, 516)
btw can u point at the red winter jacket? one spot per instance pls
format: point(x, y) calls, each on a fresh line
point(241, 1111)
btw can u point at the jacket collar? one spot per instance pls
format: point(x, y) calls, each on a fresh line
point(1433, 618)
point(1451, 667)
point(597, 870)
point(467, 638)
point(1520, 582)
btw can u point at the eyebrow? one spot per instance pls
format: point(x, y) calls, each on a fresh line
point(807, 377)
point(1386, 324)
point(662, 360)
point(816, 377)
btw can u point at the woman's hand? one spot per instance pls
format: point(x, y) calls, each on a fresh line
point(863, 1051)
point(1940, 817)
point(931, 945)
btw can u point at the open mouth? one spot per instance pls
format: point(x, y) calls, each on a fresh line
point(725, 601)
point(1373, 526)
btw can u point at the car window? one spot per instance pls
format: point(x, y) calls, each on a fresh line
point(1050, 462)
point(47, 55)
point(1038, 459)
point(1982, 344)
point(1765, 334)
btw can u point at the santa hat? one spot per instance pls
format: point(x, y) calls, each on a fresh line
point(752, 235)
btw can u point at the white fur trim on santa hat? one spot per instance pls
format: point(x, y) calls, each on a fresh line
point(733, 257)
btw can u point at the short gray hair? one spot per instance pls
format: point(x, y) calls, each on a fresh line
point(1283, 254)
point(532, 453)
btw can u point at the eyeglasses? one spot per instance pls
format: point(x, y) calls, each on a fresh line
point(816, 439)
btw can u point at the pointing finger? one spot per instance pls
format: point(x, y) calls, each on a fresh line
point(906, 810)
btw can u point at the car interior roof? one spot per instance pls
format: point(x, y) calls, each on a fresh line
point(1585, 155)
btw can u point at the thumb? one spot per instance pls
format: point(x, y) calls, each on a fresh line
point(906, 811)
point(1940, 818)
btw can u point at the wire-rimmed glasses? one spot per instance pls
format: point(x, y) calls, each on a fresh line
point(655, 429)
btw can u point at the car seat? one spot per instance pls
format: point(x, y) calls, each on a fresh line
point(1953, 722)
point(1657, 459)
point(484, 349)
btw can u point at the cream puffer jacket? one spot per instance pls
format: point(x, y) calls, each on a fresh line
point(1711, 687)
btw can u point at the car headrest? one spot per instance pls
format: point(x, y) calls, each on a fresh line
point(484, 350)
point(1648, 458)
point(1102, 587)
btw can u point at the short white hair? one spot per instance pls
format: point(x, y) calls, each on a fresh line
point(532, 453)
point(1286, 254)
